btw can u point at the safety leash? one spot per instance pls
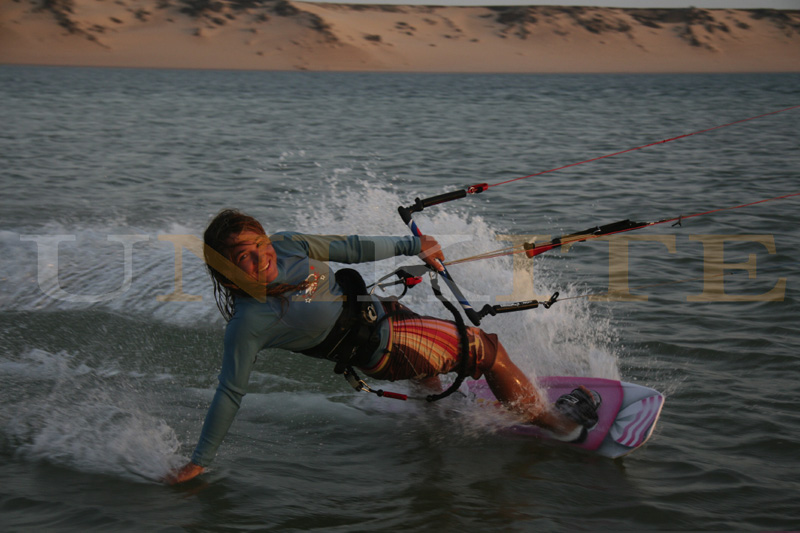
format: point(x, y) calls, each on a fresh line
point(361, 386)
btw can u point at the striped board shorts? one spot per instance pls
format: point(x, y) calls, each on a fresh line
point(421, 347)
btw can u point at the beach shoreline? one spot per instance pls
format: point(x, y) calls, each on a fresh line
point(288, 35)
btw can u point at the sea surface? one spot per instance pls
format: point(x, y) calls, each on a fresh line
point(110, 342)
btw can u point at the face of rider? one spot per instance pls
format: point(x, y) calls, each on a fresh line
point(253, 253)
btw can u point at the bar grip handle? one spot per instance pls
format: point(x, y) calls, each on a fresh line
point(420, 204)
point(442, 198)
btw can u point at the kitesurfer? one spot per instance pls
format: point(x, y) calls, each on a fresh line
point(278, 292)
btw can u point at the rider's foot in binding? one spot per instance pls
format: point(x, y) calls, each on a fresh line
point(581, 406)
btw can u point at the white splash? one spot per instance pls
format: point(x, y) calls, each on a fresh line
point(84, 418)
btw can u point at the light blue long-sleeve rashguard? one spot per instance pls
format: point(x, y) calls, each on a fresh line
point(298, 322)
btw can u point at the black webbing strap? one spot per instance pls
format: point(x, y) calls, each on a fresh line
point(463, 342)
point(353, 338)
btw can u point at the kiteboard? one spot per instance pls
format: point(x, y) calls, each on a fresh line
point(627, 414)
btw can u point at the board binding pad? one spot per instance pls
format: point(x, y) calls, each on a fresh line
point(627, 414)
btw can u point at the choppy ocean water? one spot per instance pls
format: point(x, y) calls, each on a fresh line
point(104, 385)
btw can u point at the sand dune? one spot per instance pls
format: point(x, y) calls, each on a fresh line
point(287, 35)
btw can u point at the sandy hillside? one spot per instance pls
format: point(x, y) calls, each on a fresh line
point(280, 34)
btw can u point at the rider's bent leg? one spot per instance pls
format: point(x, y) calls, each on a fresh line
point(510, 385)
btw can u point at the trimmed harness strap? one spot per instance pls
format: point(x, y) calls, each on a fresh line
point(354, 337)
point(463, 342)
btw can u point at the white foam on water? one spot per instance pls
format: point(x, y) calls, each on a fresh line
point(64, 412)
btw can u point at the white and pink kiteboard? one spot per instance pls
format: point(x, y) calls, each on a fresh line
point(627, 415)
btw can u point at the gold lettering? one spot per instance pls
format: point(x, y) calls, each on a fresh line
point(179, 242)
point(618, 290)
point(523, 272)
point(216, 260)
point(714, 267)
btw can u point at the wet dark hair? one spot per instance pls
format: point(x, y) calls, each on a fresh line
point(228, 223)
